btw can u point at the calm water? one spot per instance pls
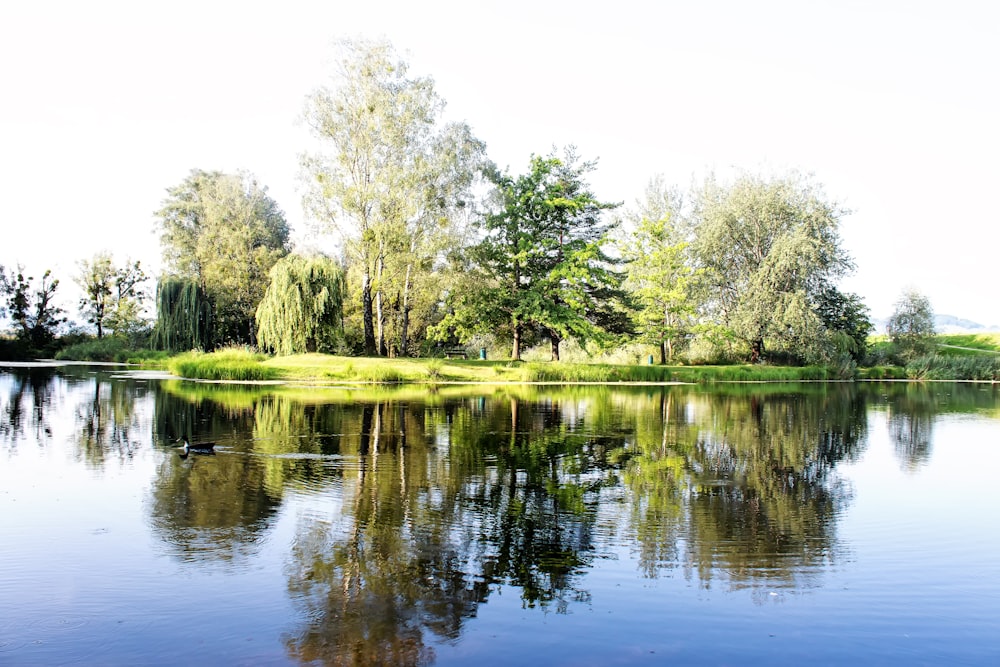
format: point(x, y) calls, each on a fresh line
point(744, 524)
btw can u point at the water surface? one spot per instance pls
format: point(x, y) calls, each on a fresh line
point(738, 524)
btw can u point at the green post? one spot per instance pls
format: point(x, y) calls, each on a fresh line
point(650, 360)
point(482, 354)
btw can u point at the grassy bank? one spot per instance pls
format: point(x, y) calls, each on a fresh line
point(326, 369)
point(968, 344)
point(229, 364)
point(958, 357)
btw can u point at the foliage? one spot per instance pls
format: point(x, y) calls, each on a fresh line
point(911, 325)
point(770, 248)
point(847, 318)
point(36, 318)
point(184, 316)
point(542, 264)
point(112, 296)
point(302, 308)
point(391, 181)
point(109, 348)
point(661, 276)
point(225, 233)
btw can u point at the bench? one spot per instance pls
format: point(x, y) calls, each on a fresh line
point(455, 352)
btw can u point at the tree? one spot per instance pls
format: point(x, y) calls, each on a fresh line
point(846, 317)
point(225, 233)
point(35, 316)
point(541, 261)
point(302, 308)
point(390, 179)
point(911, 325)
point(183, 316)
point(112, 296)
point(769, 248)
point(661, 275)
point(129, 294)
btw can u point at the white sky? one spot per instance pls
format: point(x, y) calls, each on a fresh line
point(894, 106)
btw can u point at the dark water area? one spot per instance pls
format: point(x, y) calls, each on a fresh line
point(736, 524)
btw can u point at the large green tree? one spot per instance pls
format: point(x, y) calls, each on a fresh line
point(224, 232)
point(388, 179)
point(770, 247)
point(302, 308)
point(541, 262)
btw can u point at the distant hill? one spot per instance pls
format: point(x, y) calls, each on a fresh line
point(947, 324)
point(952, 324)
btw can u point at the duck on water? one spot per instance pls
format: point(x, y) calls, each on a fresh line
point(196, 448)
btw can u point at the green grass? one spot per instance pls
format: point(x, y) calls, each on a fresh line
point(228, 364)
point(326, 368)
point(952, 344)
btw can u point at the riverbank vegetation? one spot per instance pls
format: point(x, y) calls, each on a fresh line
point(440, 250)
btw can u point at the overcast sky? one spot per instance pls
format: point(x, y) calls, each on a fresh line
point(893, 106)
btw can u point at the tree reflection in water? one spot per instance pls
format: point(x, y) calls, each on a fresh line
point(430, 506)
point(108, 421)
point(214, 508)
point(25, 402)
point(740, 485)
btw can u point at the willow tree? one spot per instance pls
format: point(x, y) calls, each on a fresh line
point(770, 248)
point(184, 316)
point(224, 232)
point(302, 308)
point(387, 177)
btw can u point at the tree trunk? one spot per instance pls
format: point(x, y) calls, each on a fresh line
point(366, 313)
point(515, 353)
point(379, 310)
point(405, 327)
point(663, 352)
point(756, 351)
point(554, 340)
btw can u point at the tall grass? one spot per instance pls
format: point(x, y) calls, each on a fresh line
point(228, 364)
point(947, 367)
point(537, 372)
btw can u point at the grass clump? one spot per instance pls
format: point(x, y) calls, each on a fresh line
point(434, 367)
point(237, 364)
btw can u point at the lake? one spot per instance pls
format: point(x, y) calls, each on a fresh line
point(738, 524)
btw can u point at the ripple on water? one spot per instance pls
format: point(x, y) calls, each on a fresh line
point(11, 645)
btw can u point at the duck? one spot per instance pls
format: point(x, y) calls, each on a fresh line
point(197, 448)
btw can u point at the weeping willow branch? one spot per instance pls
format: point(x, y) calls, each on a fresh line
point(184, 316)
point(302, 307)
